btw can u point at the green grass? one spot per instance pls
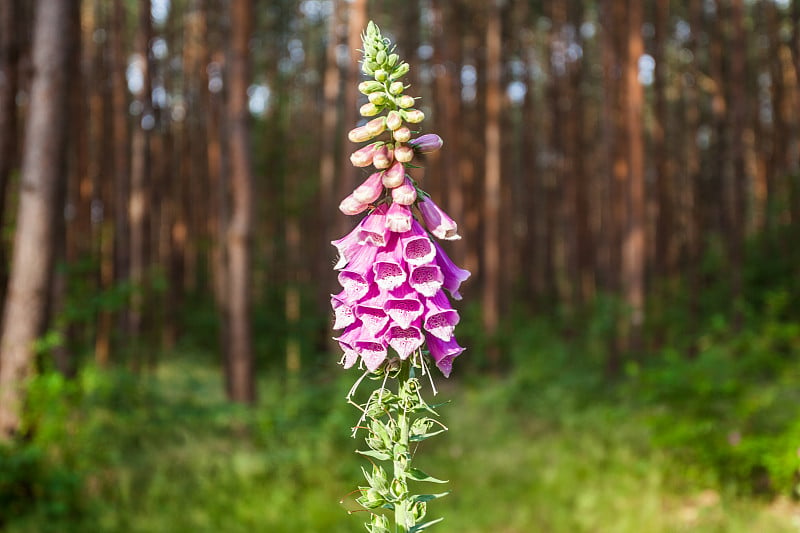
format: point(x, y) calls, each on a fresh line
point(164, 452)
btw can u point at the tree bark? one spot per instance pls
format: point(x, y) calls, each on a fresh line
point(492, 182)
point(634, 251)
point(138, 204)
point(9, 61)
point(238, 236)
point(42, 170)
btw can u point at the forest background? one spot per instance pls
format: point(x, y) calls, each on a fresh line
point(626, 176)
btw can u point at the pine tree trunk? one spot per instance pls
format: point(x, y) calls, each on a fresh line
point(634, 251)
point(238, 237)
point(492, 182)
point(138, 204)
point(42, 170)
point(9, 61)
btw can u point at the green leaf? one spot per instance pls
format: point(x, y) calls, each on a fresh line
point(429, 497)
point(419, 438)
point(380, 456)
point(422, 527)
point(418, 475)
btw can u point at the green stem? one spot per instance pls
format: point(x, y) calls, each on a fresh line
point(403, 458)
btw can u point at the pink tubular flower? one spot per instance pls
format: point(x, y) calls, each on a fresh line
point(370, 190)
point(398, 218)
point(389, 271)
point(363, 156)
point(417, 247)
point(443, 352)
point(343, 313)
point(403, 306)
point(437, 220)
point(356, 279)
point(453, 276)
point(347, 344)
point(404, 340)
point(372, 229)
point(406, 194)
point(440, 318)
point(372, 353)
point(426, 144)
point(426, 279)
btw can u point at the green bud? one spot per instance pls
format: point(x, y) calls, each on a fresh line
point(398, 489)
point(414, 116)
point(369, 110)
point(365, 68)
point(392, 60)
point(369, 86)
point(379, 523)
point(396, 88)
point(380, 75)
point(405, 101)
point(377, 98)
point(418, 511)
point(399, 71)
point(380, 57)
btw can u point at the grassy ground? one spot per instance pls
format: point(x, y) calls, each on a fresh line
point(165, 453)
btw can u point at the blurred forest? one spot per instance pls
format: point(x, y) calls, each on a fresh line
point(626, 176)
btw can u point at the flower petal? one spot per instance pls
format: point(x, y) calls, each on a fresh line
point(426, 279)
point(417, 249)
point(389, 273)
point(343, 312)
point(437, 221)
point(404, 340)
point(453, 276)
point(403, 306)
point(372, 229)
point(371, 352)
point(443, 352)
point(440, 319)
point(398, 218)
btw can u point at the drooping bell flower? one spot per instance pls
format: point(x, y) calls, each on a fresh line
point(403, 306)
point(372, 229)
point(343, 313)
point(398, 218)
point(453, 276)
point(437, 221)
point(443, 352)
point(404, 340)
point(440, 318)
point(417, 246)
point(426, 279)
point(388, 270)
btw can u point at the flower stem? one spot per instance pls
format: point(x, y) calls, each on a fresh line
point(395, 423)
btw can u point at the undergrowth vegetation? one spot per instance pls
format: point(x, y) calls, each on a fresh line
point(701, 433)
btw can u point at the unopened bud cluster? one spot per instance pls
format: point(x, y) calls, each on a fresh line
point(390, 132)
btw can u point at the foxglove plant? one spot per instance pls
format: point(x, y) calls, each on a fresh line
point(393, 310)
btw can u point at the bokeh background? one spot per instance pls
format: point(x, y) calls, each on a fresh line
point(626, 178)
